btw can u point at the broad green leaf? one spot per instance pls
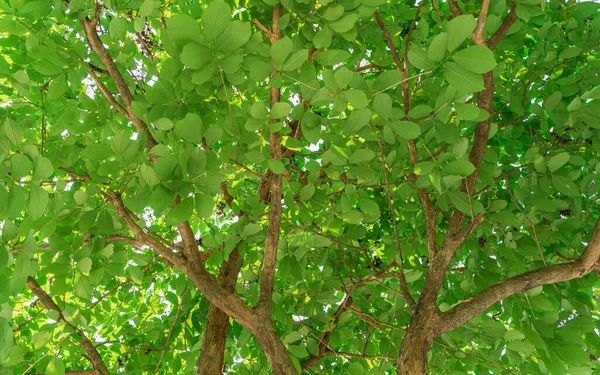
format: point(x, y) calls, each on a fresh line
point(565, 186)
point(437, 49)
point(97, 152)
point(557, 161)
point(281, 49)
point(20, 165)
point(85, 265)
point(38, 200)
point(195, 56)
point(280, 109)
point(205, 204)
point(345, 23)
point(12, 131)
point(382, 105)
point(477, 59)
point(163, 123)
point(332, 57)
point(181, 212)
point(148, 175)
point(40, 339)
point(295, 61)
point(357, 98)
point(146, 8)
point(406, 129)
point(459, 29)
point(56, 365)
point(361, 156)
point(462, 79)
point(276, 166)
point(190, 128)
point(418, 57)
point(458, 167)
point(215, 19)
point(333, 12)
point(235, 35)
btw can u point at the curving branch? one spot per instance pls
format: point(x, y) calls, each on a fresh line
point(466, 310)
point(92, 354)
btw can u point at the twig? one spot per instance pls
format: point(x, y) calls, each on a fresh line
point(162, 353)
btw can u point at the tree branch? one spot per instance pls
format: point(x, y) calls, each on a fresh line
point(466, 310)
point(86, 344)
point(477, 35)
point(508, 21)
point(267, 278)
point(162, 353)
point(89, 28)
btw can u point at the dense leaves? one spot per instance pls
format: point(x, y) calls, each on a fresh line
point(185, 140)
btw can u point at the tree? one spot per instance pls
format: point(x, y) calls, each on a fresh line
point(306, 187)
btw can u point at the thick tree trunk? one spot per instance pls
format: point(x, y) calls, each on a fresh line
point(217, 325)
point(414, 351)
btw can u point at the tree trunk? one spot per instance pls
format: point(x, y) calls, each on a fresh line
point(217, 325)
point(414, 351)
point(276, 352)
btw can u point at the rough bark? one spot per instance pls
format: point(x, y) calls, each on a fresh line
point(414, 351)
point(217, 324)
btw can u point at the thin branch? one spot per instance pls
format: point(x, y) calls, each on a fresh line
point(267, 279)
point(401, 277)
point(477, 35)
point(508, 21)
point(162, 353)
point(86, 344)
point(108, 95)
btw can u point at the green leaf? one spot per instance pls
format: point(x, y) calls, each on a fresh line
point(118, 28)
point(345, 23)
point(190, 128)
point(437, 49)
point(477, 59)
point(215, 19)
point(85, 265)
point(467, 111)
point(557, 161)
point(459, 168)
point(357, 119)
point(195, 56)
point(361, 156)
point(97, 152)
point(460, 201)
point(459, 29)
point(38, 200)
point(333, 12)
point(163, 123)
point(12, 131)
point(406, 129)
point(573, 355)
point(295, 60)
point(146, 8)
point(357, 98)
point(565, 185)
point(40, 339)
point(181, 212)
point(9, 230)
point(276, 166)
point(332, 57)
point(43, 168)
point(55, 367)
point(462, 79)
point(418, 58)
point(280, 50)
point(280, 109)
point(235, 35)
point(382, 105)
point(148, 175)
point(205, 205)
point(20, 165)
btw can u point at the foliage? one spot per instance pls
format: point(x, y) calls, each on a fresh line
point(428, 152)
